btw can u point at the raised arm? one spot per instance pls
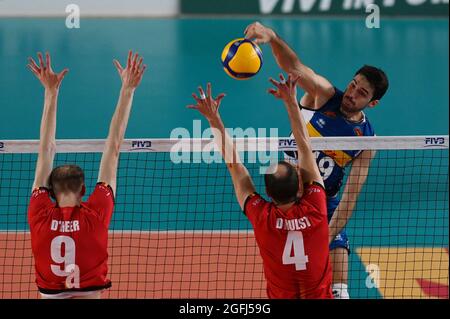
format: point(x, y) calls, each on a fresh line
point(318, 89)
point(131, 77)
point(51, 82)
point(209, 107)
point(287, 91)
point(355, 182)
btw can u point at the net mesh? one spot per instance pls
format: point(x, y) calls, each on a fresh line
point(177, 230)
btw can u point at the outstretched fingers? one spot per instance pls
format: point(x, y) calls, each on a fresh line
point(41, 61)
point(118, 66)
point(208, 90)
point(202, 93)
point(139, 64)
point(33, 67)
point(144, 67)
point(36, 73)
point(219, 99)
point(130, 54)
point(134, 62)
point(276, 83)
point(272, 91)
point(62, 74)
point(33, 64)
point(196, 98)
point(250, 33)
point(48, 61)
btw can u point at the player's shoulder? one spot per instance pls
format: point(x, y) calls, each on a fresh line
point(368, 127)
point(102, 188)
point(254, 199)
point(313, 187)
point(40, 203)
point(334, 102)
point(40, 191)
point(40, 198)
point(254, 202)
point(338, 92)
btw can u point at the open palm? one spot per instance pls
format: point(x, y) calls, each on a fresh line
point(44, 72)
point(132, 74)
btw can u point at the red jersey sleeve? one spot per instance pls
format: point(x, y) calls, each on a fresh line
point(102, 201)
point(314, 201)
point(254, 207)
point(39, 201)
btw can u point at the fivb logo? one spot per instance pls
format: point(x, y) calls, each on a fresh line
point(435, 141)
point(285, 144)
point(141, 145)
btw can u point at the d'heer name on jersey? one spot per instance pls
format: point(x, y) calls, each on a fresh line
point(65, 226)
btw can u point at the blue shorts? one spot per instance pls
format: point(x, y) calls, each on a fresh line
point(341, 240)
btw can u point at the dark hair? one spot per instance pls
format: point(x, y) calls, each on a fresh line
point(66, 178)
point(282, 186)
point(377, 78)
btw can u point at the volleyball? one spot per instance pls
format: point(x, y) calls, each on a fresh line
point(242, 59)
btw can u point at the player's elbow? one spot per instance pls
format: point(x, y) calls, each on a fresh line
point(113, 148)
point(295, 68)
point(48, 148)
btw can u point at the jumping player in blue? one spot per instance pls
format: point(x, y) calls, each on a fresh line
point(329, 111)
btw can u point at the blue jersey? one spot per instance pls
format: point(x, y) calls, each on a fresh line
point(329, 121)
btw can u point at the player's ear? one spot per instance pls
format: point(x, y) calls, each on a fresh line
point(52, 193)
point(373, 103)
point(50, 188)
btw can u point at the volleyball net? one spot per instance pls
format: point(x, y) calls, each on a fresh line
point(177, 230)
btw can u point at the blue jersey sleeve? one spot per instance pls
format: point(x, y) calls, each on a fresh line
point(332, 104)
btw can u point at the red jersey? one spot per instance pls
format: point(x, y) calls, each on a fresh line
point(69, 244)
point(293, 245)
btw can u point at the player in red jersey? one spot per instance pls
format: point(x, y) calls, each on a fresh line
point(69, 237)
point(291, 232)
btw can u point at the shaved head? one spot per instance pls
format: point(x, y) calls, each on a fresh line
point(66, 179)
point(282, 182)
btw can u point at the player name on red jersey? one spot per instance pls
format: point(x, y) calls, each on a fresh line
point(65, 226)
point(293, 224)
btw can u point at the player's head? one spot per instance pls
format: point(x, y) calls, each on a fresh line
point(67, 179)
point(282, 182)
point(365, 90)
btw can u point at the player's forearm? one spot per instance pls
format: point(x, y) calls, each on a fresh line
point(120, 119)
point(47, 141)
point(48, 121)
point(309, 169)
point(337, 224)
point(224, 142)
point(299, 129)
point(289, 62)
point(342, 215)
point(240, 176)
point(285, 57)
point(348, 201)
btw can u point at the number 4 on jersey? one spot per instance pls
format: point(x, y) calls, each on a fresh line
point(295, 241)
